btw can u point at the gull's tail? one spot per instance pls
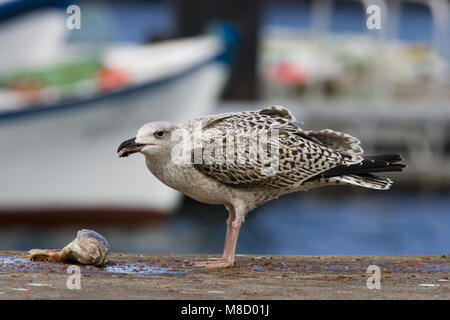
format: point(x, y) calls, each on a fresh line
point(361, 174)
point(365, 181)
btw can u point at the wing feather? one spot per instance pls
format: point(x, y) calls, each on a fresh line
point(292, 156)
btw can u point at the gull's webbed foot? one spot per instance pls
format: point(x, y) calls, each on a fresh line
point(221, 263)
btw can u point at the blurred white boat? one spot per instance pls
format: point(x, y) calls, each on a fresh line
point(63, 155)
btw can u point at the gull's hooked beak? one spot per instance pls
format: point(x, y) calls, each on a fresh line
point(129, 147)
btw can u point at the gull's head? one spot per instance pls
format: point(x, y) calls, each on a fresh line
point(152, 138)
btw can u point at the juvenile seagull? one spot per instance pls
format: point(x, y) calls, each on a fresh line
point(304, 160)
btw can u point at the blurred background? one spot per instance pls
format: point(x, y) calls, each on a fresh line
point(76, 81)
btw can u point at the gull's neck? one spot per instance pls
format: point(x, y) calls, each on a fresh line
point(166, 170)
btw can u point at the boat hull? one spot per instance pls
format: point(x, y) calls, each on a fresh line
point(65, 156)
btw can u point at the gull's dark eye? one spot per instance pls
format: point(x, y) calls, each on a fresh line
point(159, 133)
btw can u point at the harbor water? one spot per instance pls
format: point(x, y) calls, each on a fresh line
point(374, 223)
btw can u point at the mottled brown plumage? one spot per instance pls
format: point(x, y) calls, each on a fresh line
point(303, 155)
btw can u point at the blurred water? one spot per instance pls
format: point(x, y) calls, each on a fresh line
point(307, 223)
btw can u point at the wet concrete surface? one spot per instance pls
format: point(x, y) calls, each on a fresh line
point(167, 276)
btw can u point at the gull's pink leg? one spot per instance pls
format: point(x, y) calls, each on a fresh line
point(227, 260)
point(231, 217)
point(231, 242)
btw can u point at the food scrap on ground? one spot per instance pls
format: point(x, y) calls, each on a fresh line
point(88, 248)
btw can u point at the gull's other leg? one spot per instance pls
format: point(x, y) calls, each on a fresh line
point(231, 217)
point(233, 227)
point(229, 250)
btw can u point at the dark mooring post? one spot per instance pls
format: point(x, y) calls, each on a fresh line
point(194, 15)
